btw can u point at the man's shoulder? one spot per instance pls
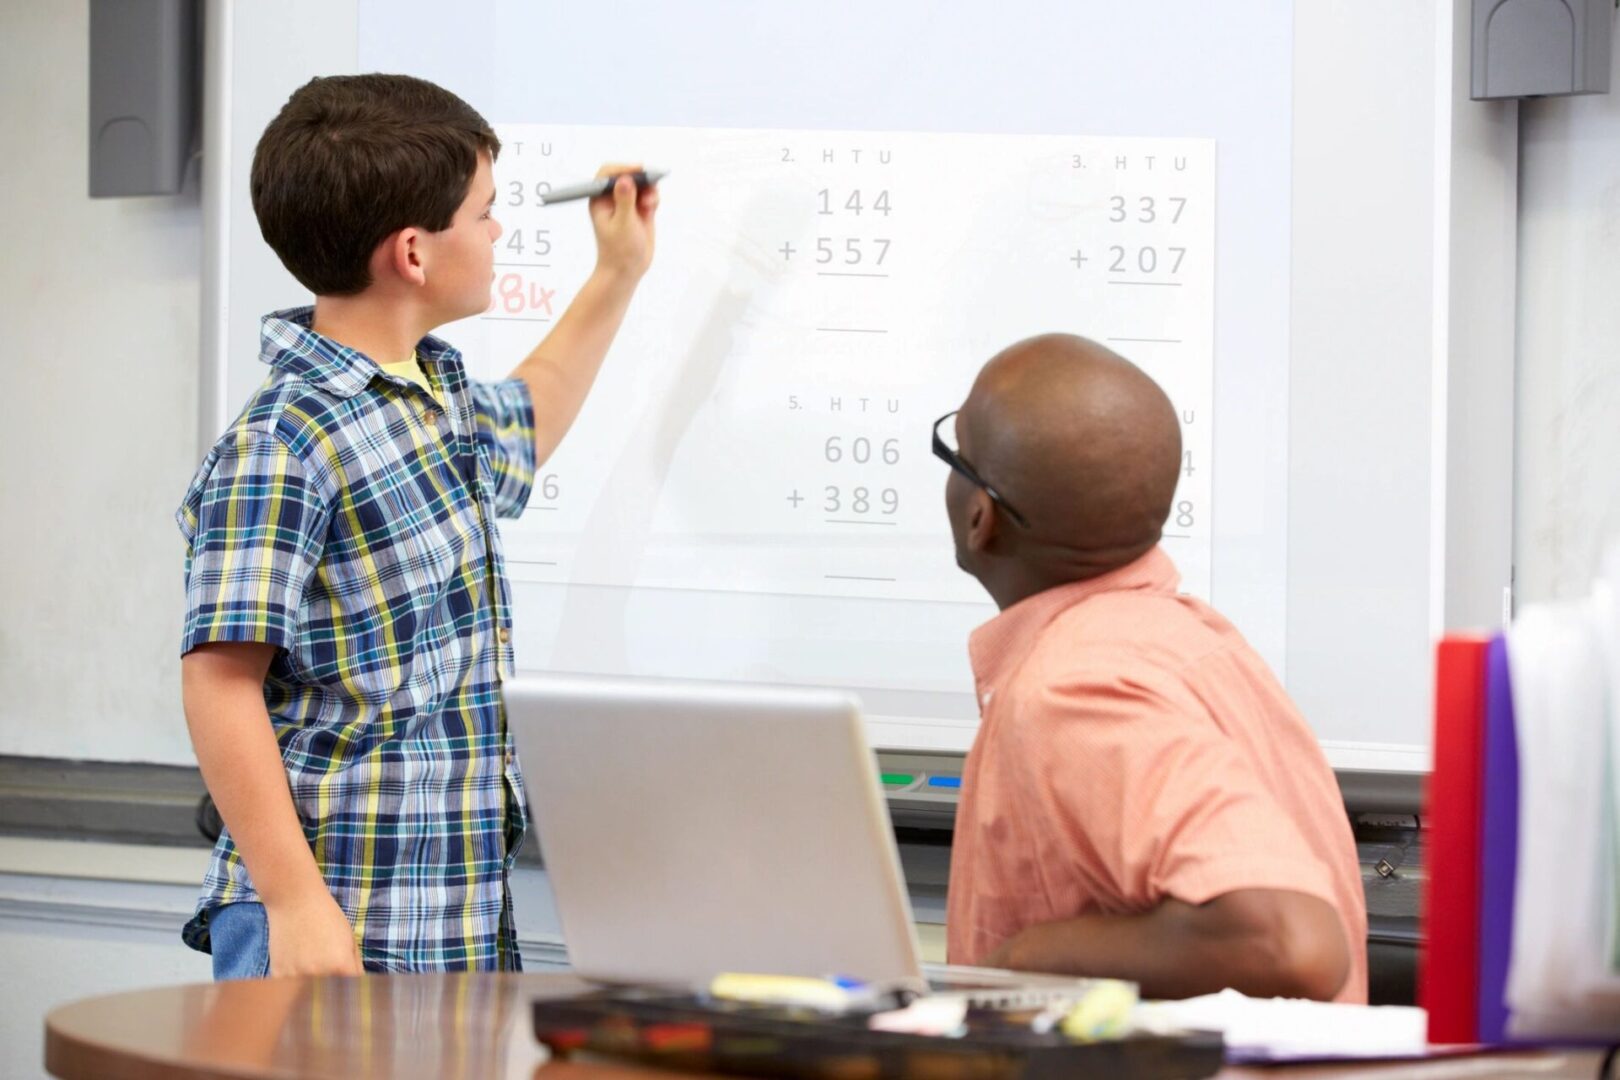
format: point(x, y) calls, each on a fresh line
point(1173, 648)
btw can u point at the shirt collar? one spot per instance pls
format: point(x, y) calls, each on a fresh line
point(287, 343)
point(997, 647)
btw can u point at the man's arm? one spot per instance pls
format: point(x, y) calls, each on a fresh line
point(1261, 942)
point(562, 368)
point(223, 688)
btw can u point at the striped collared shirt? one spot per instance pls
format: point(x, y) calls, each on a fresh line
point(346, 518)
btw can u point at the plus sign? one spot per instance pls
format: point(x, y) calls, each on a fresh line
point(1078, 259)
point(795, 498)
point(787, 250)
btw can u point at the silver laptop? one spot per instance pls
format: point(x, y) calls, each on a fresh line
point(694, 828)
point(690, 829)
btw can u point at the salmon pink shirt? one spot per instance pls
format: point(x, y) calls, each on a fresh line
point(1134, 747)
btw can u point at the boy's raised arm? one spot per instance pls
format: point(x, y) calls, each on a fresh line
point(562, 368)
point(223, 688)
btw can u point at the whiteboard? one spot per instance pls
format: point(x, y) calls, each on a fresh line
point(866, 202)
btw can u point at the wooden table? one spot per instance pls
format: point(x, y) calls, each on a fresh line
point(436, 1027)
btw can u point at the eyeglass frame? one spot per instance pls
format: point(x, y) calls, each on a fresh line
point(957, 464)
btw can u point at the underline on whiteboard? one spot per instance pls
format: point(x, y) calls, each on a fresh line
point(536, 266)
point(852, 577)
point(543, 509)
point(512, 318)
point(1160, 284)
point(530, 562)
point(1151, 340)
point(1176, 536)
point(848, 521)
point(847, 330)
point(845, 273)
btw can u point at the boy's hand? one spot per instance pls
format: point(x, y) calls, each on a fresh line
point(623, 220)
point(312, 936)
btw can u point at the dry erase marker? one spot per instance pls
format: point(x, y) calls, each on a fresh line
point(590, 189)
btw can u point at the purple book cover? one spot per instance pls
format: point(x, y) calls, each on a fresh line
point(1499, 844)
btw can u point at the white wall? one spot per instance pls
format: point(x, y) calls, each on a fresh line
point(1568, 474)
point(82, 920)
point(99, 302)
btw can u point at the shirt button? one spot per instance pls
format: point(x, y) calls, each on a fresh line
point(504, 635)
point(430, 414)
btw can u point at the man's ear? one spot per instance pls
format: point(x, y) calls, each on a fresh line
point(982, 524)
point(400, 256)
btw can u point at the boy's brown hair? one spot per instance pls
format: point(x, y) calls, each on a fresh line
point(351, 159)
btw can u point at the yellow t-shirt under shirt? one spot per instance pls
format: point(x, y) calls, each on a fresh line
point(411, 371)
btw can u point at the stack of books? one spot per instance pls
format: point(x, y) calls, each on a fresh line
point(1522, 899)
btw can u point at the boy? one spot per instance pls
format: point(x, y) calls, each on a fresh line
point(348, 616)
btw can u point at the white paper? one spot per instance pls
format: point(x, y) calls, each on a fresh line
point(1283, 1029)
point(1559, 982)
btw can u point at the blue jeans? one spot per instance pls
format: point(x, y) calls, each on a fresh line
point(240, 936)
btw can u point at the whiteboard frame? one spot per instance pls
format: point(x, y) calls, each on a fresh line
point(1401, 184)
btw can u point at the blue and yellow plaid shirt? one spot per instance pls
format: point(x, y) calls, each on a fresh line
point(346, 518)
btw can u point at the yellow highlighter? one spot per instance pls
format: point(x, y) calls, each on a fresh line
point(1102, 1013)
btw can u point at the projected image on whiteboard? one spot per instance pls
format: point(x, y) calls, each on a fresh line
point(762, 424)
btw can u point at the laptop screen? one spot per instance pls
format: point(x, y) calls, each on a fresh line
point(690, 829)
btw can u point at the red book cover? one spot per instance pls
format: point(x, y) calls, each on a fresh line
point(1448, 966)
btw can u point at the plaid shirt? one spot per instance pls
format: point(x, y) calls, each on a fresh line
point(346, 519)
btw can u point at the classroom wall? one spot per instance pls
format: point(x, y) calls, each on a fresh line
point(79, 920)
point(1567, 480)
point(97, 437)
point(82, 920)
point(99, 301)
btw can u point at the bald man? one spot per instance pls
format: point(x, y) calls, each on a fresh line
point(1142, 800)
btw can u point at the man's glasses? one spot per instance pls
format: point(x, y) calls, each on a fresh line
point(947, 452)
